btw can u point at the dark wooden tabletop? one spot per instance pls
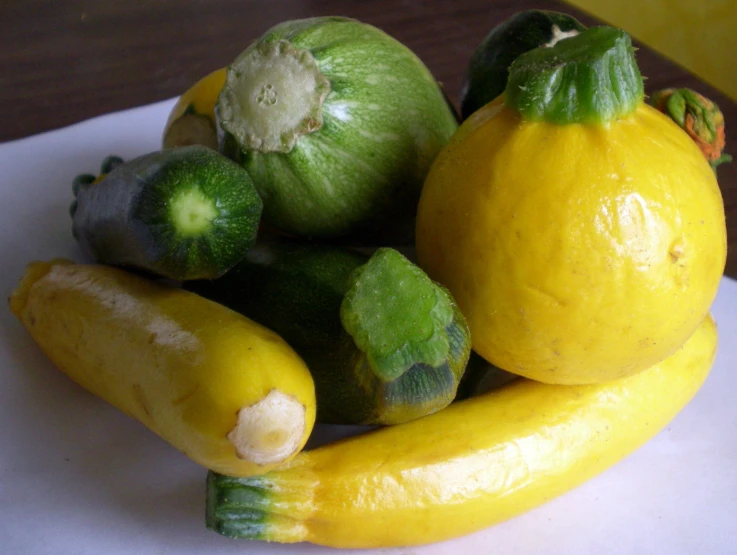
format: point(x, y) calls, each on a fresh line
point(62, 62)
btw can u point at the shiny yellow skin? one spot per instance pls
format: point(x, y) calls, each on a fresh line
point(192, 120)
point(180, 364)
point(578, 254)
point(479, 461)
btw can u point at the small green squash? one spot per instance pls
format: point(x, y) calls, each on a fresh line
point(337, 123)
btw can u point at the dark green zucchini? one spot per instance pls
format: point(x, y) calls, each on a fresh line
point(384, 343)
point(181, 213)
point(489, 66)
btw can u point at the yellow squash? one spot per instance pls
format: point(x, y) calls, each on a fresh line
point(192, 120)
point(579, 252)
point(229, 393)
point(467, 467)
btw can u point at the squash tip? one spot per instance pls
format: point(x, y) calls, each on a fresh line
point(270, 430)
point(34, 272)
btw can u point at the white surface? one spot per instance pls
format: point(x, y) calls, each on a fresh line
point(77, 477)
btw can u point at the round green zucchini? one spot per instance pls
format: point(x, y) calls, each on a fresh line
point(337, 123)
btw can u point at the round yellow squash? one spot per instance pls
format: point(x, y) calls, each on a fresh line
point(192, 120)
point(578, 253)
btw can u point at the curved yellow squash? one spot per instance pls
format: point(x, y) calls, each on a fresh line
point(578, 253)
point(230, 394)
point(192, 120)
point(467, 467)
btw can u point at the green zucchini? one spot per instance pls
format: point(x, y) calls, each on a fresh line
point(181, 213)
point(384, 343)
point(488, 69)
point(337, 123)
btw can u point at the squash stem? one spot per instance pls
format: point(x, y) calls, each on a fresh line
point(396, 315)
point(260, 507)
point(270, 430)
point(273, 94)
point(591, 78)
point(489, 67)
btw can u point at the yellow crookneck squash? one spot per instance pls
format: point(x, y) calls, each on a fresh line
point(466, 467)
point(580, 230)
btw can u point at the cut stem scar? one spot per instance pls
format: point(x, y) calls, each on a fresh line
point(559, 35)
point(273, 94)
point(270, 430)
point(193, 212)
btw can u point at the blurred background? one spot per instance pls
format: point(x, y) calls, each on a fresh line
point(700, 35)
point(62, 61)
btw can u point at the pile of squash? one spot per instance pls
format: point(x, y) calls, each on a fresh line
point(319, 240)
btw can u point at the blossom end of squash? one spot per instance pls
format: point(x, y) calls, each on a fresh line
point(270, 430)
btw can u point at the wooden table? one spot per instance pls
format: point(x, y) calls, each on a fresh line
point(62, 62)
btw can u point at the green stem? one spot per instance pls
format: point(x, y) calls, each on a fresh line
point(110, 163)
point(591, 78)
point(260, 507)
point(489, 66)
point(396, 315)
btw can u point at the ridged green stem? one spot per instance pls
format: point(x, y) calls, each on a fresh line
point(591, 78)
point(489, 66)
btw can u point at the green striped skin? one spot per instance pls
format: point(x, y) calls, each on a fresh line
point(359, 175)
point(591, 78)
point(184, 213)
point(489, 66)
point(299, 290)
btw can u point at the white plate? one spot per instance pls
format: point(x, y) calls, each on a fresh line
point(78, 477)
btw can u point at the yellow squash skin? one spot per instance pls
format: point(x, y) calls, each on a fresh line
point(578, 254)
point(182, 365)
point(473, 464)
point(192, 120)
